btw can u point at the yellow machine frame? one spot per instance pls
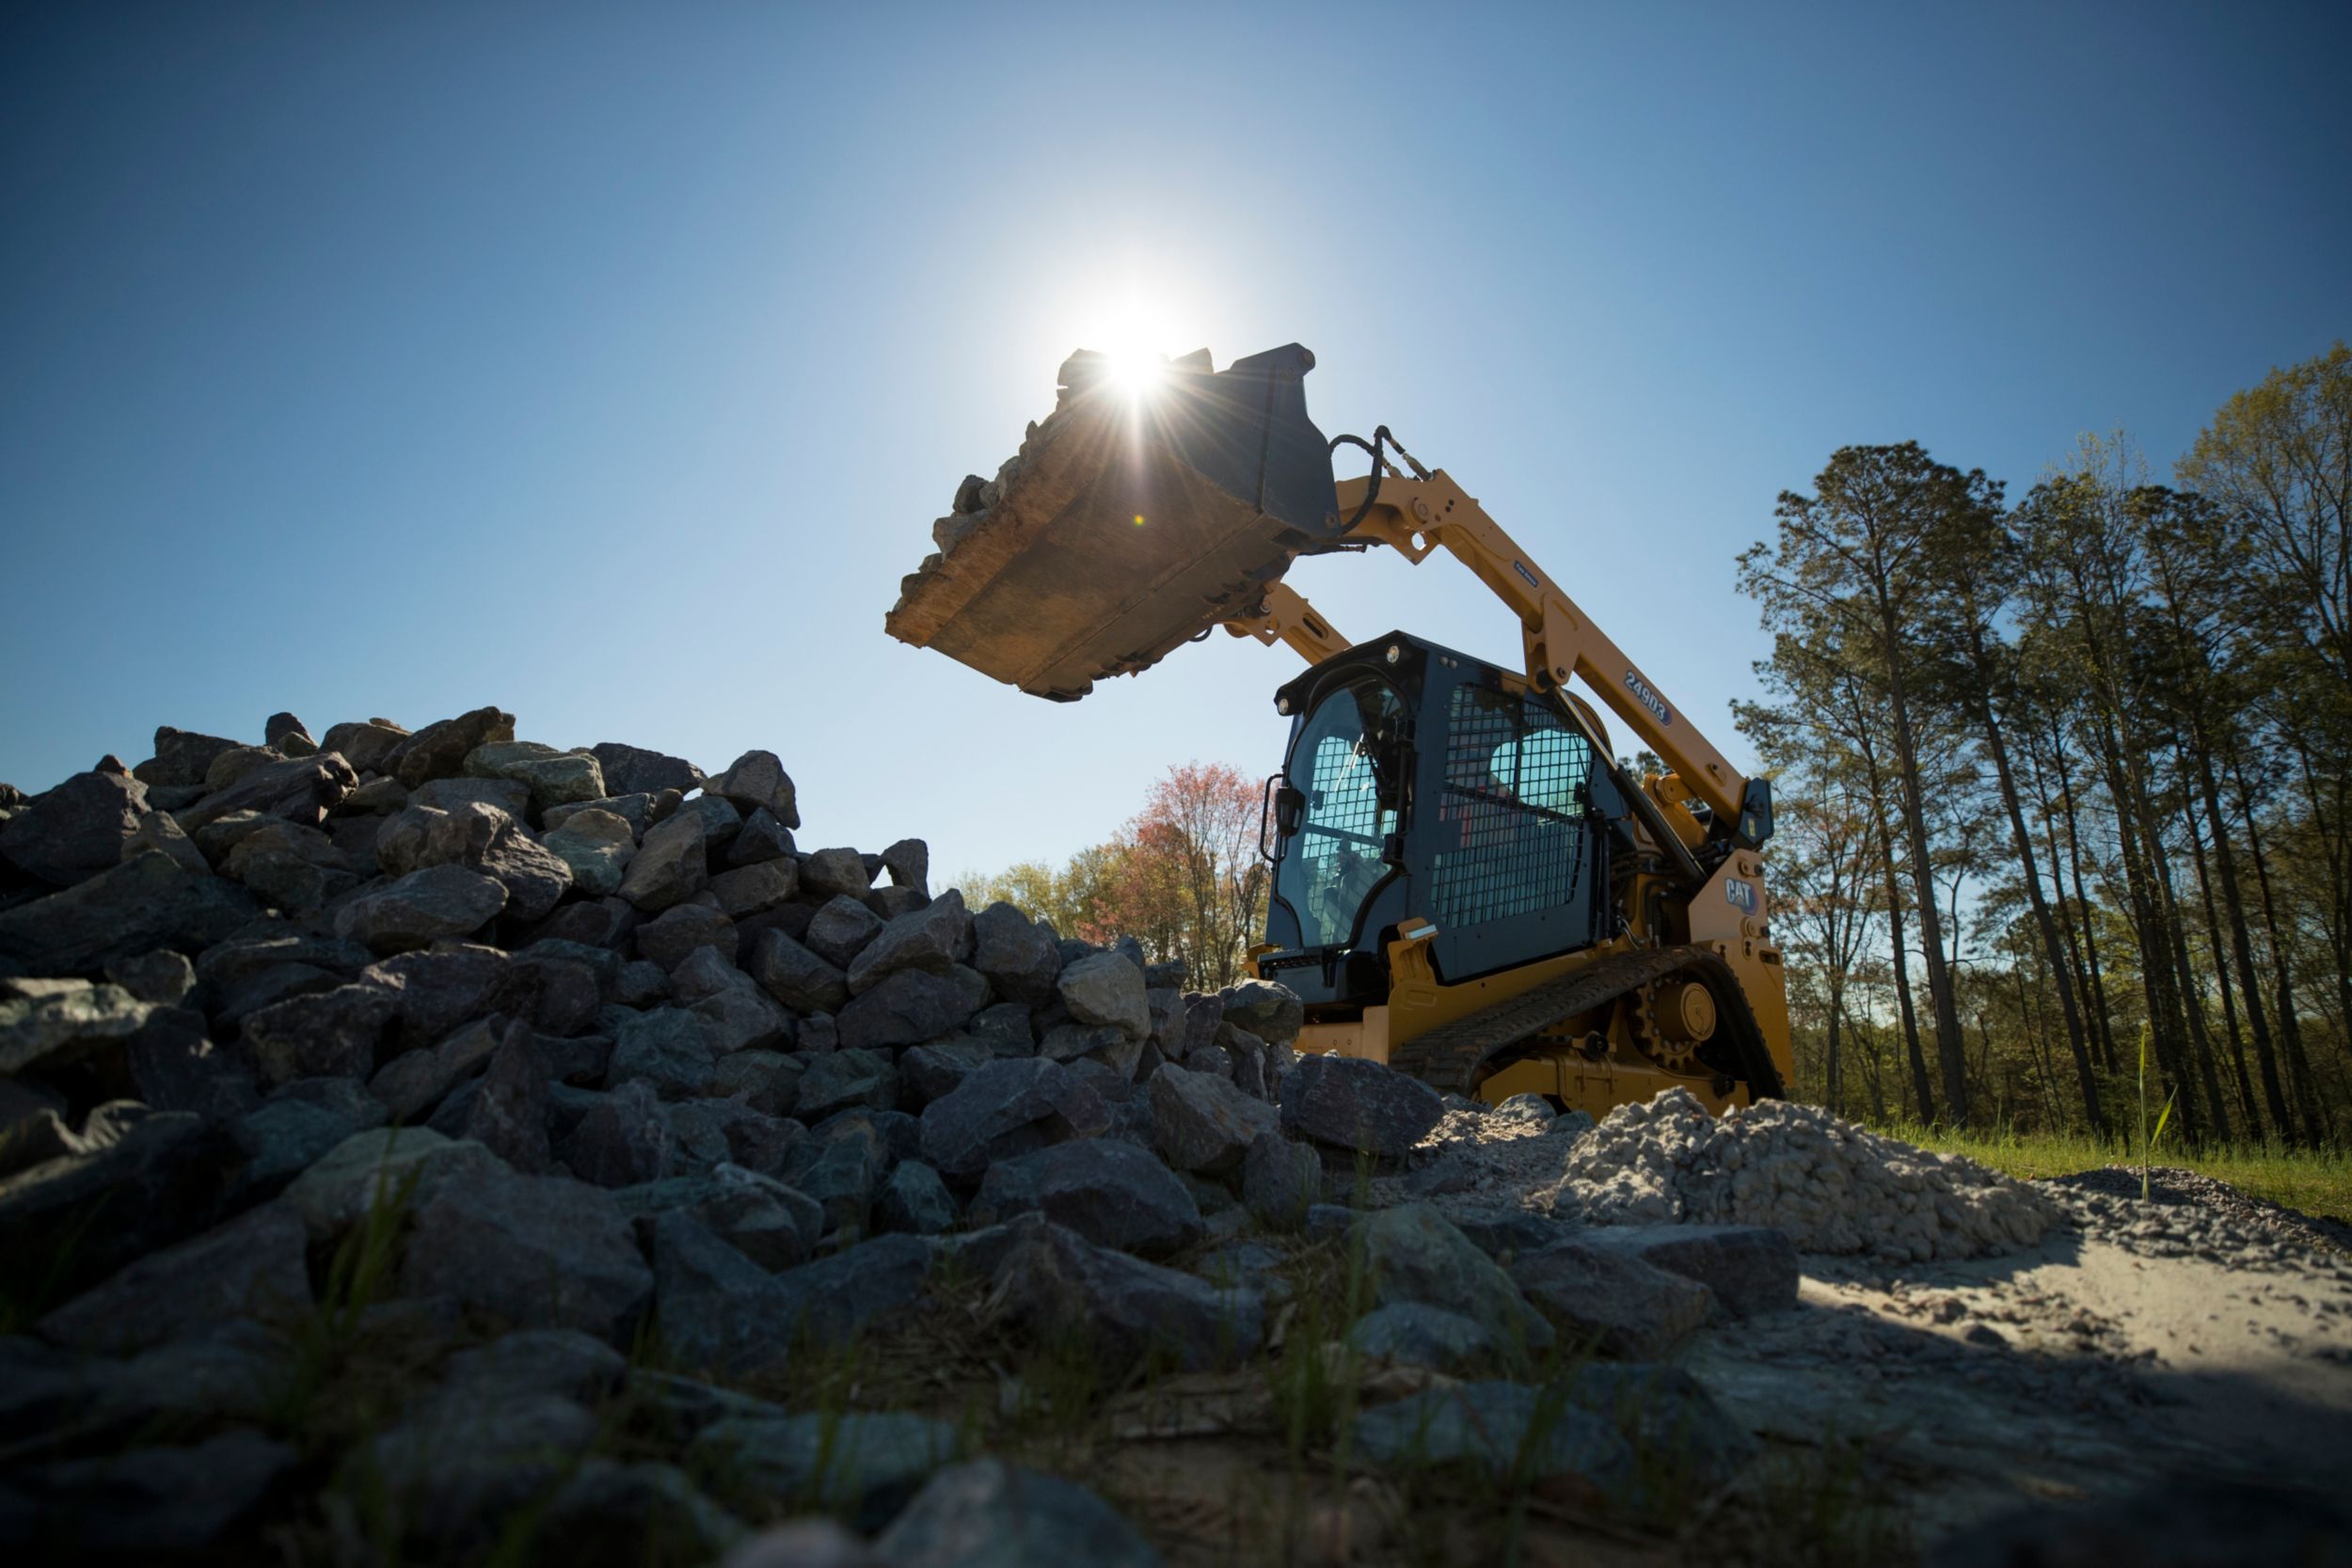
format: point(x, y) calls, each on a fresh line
point(1594, 1061)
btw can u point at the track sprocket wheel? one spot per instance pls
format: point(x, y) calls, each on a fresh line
point(1670, 1019)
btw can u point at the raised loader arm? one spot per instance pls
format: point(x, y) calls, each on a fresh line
point(1422, 515)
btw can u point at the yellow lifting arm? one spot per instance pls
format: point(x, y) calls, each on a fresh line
point(1417, 516)
point(1286, 617)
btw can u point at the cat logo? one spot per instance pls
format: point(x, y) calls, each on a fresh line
point(1648, 698)
point(1740, 894)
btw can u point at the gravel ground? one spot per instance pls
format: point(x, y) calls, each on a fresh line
point(2184, 1208)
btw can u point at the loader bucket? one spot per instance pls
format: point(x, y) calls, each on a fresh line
point(1127, 525)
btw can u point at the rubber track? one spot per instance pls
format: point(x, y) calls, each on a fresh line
point(1448, 1056)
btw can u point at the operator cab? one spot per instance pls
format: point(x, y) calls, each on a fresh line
point(1422, 781)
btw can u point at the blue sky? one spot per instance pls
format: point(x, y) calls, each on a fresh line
point(610, 363)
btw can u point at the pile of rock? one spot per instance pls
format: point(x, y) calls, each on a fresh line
point(1832, 1186)
point(620, 1056)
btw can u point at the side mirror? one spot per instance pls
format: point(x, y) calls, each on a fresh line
point(1290, 808)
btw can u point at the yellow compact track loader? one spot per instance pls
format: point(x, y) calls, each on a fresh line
point(1467, 885)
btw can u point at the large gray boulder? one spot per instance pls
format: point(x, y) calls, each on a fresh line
point(911, 1006)
point(795, 976)
point(432, 991)
point(1018, 956)
point(989, 1515)
point(438, 750)
point(1106, 991)
point(182, 757)
point(381, 1167)
point(1052, 1283)
point(1269, 1010)
point(422, 909)
point(149, 901)
point(1203, 1123)
point(252, 1268)
point(151, 1503)
point(539, 1251)
point(672, 865)
point(1279, 1180)
point(555, 778)
point(72, 832)
point(841, 928)
point(1750, 1268)
point(327, 1034)
point(634, 771)
point(1349, 1105)
point(597, 847)
point(1620, 1305)
point(1006, 1109)
point(1110, 1192)
point(935, 939)
point(670, 1049)
point(756, 889)
point(74, 1023)
point(839, 1080)
point(1414, 1253)
point(757, 782)
point(299, 1125)
point(299, 789)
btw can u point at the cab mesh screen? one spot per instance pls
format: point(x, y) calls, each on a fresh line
point(1511, 824)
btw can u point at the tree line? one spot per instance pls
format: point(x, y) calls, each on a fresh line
point(2065, 777)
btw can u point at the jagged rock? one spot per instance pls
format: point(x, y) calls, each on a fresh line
point(300, 1124)
point(915, 1200)
point(739, 1014)
point(622, 1140)
point(159, 832)
point(1750, 1268)
point(555, 778)
point(438, 750)
point(928, 1071)
point(681, 929)
point(251, 1268)
point(182, 757)
point(148, 901)
point(816, 1034)
point(540, 1251)
point(1622, 1306)
point(989, 1515)
point(1017, 955)
point(414, 1082)
point(774, 1226)
point(756, 889)
point(422, 908)
point(597, 845)
point(1272, 1012)
point(1107, 989)
point(795, 976)
point(1203, 1123)
point(908, 1006)
point(641, 984)
point(1113, 1193)
point(508, 1116)
point(234, 764)
point(1052, 1282)
point(669, 1049)
point(1006, 1027)
point(835, 1297)
point(850, 1076)
point(835, 874)
point(331, 1034)
point(672, 865)
point(862, 1466)
point(766, 1081)
point(1007, 1109)
point(608, 1510)
point(1499, 1431)
point(1414, 1253)
point(1279, 1180)
point(762, 839)
point(510, 796)
point(159, 1180)
point(909, 861)
point(841, 929)
point(456, 1463)
point(299, 789)
point(155, 1502)
point(719, 1312)
point(634, 771)
point(558, 985)
point(435, 992)
point(414, 1163)
point(57, 1030)
point(1348, 1104)
point(841, 1169)
point(1409, 1334)
point(72, 832)
point(757, 782)
point(934, 939)
point(367, 746)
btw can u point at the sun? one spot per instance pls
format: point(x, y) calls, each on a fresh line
point(1136, 373)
